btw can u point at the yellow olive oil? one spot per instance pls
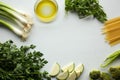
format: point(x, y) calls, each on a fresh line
point(46, 10)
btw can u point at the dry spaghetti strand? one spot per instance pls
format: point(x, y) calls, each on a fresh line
point(112, 20)
point(111, 30)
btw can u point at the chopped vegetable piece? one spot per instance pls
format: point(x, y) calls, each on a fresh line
point(63, 75)
point(55, 70)
point(70, 67)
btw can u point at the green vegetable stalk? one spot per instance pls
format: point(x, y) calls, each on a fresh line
point(26, 17)
point(111, 58)
point(19, 32)
point(10, 15)
point(22, 63)
point(85, 8)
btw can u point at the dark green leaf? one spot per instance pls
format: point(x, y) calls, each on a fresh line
point(22, 63)
point(85, 8)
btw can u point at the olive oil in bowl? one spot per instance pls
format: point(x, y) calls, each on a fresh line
point(46, 10)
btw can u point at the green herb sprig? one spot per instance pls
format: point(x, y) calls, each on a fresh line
point(85, 8)
point(22, 63)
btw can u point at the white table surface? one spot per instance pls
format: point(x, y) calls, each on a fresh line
point(67, 39)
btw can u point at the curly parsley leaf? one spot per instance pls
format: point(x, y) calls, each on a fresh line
point(22, 63)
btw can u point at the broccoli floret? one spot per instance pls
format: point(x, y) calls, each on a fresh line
point(105, 76)
point(115, 72)
point(95, 74)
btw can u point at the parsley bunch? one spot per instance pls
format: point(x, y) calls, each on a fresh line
point(85, 8)
point(22, 63)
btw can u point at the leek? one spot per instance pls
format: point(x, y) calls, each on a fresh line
point(24, 21)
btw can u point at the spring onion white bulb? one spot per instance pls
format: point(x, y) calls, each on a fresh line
point(24, 21)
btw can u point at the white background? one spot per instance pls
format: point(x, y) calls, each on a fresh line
point(68, 38)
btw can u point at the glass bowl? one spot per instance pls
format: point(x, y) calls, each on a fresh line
point(46, 10)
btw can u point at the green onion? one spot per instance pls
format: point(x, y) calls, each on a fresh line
point(20, 18)
point(19, 32)
point(26, 16)
point(23, 21)
point(25, 28)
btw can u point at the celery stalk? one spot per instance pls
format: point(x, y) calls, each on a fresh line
point(111, 58)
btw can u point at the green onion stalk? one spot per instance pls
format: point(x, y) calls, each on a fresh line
point(3, 14)
point(24, 21)
point(26, 16)
point(17, 31)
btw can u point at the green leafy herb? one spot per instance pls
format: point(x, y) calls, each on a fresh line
point(85, 8)
point(22, 63)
